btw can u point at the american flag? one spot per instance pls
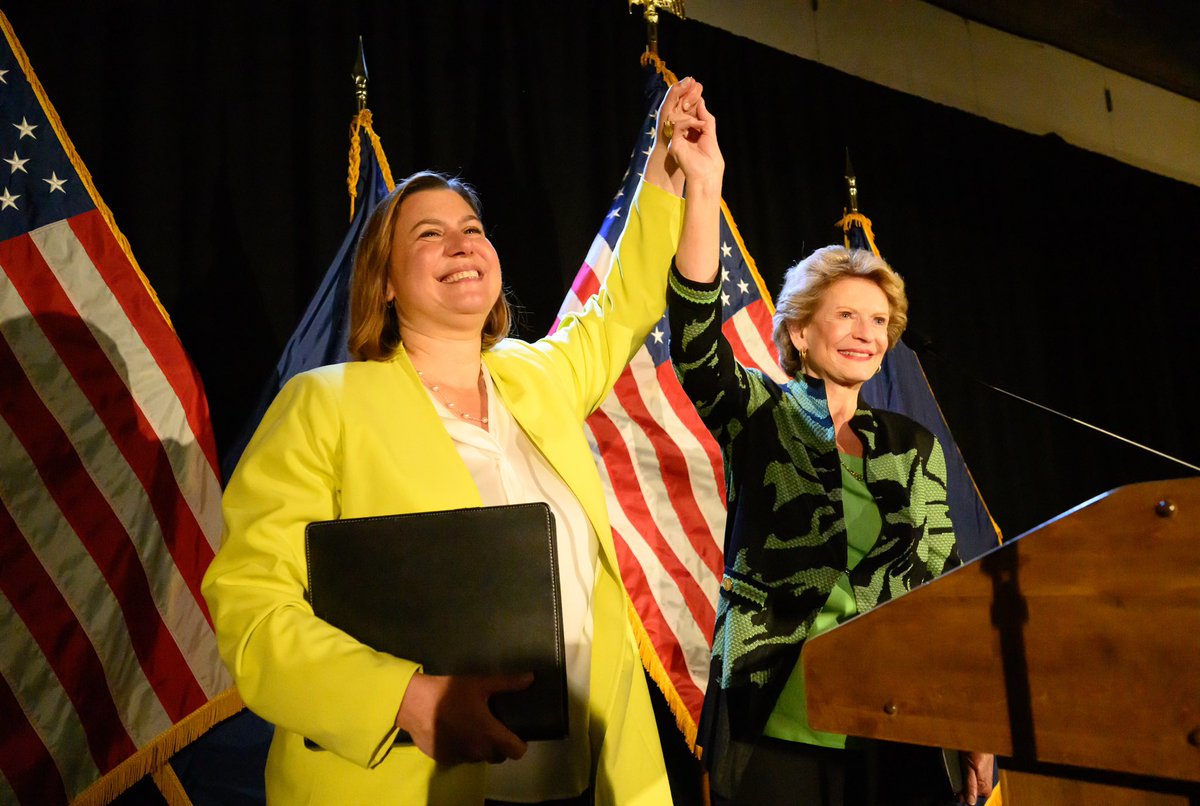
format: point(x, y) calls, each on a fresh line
point(662, 470)
point(109, 494)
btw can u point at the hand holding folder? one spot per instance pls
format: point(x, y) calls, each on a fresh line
point(448, 717)
point(462, 592)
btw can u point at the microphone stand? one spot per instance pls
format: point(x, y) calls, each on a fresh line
point(923, 345)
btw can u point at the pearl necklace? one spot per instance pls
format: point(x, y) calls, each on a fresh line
point(437, 390)
point(851, 470)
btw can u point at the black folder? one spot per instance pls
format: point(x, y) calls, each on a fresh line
point(459, 591)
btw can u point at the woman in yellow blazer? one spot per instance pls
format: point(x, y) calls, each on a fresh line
point(386, 435)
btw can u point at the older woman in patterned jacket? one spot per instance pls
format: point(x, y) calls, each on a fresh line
point(833, 508)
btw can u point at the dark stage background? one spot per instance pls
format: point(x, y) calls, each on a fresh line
point(218, 135)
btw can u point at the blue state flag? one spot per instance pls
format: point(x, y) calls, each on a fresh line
point(901, 386)
point(320, 338)
point(226, 765)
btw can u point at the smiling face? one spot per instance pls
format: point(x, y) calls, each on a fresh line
point(443, 272)
point(848, 334)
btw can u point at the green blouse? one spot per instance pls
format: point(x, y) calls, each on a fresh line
point(789, 720)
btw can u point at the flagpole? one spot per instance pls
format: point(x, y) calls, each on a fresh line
point(360, 123)
point(850, 215)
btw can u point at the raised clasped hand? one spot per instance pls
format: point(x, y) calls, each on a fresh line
point(689, 131)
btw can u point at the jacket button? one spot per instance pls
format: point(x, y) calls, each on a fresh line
point(727, 584)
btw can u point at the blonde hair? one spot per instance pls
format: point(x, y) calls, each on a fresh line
point(374, 323)
point(806, 284)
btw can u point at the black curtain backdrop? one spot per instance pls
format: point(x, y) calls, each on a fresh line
point(218, 135)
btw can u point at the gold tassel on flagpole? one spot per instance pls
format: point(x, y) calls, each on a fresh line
point(847, 222)
point(652, 59)
point(361, 123)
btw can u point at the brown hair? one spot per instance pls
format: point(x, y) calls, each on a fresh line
point(807, 282)
point(374, 324)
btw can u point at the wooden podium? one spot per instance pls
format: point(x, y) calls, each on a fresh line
point(1071, 652)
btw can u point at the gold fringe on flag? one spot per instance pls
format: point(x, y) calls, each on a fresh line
point(658, 674)
point(76, 162)
point(154, 757)
point(361, 122)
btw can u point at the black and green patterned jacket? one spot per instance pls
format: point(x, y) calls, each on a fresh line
point(785, 536)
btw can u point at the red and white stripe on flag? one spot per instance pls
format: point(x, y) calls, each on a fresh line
point(663, 473)
point(109, 494)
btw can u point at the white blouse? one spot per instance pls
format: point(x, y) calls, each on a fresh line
point(508, 469)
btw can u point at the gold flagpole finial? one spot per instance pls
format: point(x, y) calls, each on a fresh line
point(650, 12)
point(851, 184)
point(359, 74)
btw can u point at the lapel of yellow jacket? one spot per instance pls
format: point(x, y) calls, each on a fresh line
point(417, 467)
point(423, 470)
point(555, 429)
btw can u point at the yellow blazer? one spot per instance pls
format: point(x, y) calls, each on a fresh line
point(362, 439)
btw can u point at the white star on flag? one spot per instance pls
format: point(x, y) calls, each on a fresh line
point(55, 183)
point(658, 335)
point(743, 287)
point(724, 298)
point(26, 129)
point(15, 163)
point(9, 200)
point(724, 274)
point(726, 250)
